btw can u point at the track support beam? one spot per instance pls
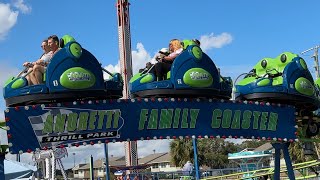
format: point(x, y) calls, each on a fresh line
point(284, 147)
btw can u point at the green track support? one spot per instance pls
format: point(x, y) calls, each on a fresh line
point(270, 171)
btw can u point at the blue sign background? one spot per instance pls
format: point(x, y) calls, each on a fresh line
point(27, 123)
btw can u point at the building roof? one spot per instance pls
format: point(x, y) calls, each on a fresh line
point(155, 158)
point(120, 158)
point(117, 161)
point(96, 164)
point(120, 161)
point(78, 166)
point(113, 161)
point(264, 147)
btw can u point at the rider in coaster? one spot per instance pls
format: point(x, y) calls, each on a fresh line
point(149, 66)
point(51, 46)
point(40, 65)
point(44, 57)
point(164, 64)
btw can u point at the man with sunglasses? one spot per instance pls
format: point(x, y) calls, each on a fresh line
point(37, 68)
point(46, 56)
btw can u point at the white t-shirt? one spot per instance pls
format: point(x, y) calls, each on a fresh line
point(46, 57)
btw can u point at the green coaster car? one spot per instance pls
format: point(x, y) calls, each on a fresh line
point(73, 74)
point(284, 79)
point(192, 74)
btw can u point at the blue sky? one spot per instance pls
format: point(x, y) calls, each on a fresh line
point(235, 34)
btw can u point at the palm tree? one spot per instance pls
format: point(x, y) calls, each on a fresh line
point(181, 151)
point(214, 152)
point(297, 153)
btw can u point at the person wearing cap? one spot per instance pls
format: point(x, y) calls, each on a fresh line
point(149, 66)
point(162, 53)
point(164, 64)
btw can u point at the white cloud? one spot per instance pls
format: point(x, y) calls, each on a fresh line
point(215, 41)
point(8, 18)
point(19, 4)
point(112, 69)
point(139, 59)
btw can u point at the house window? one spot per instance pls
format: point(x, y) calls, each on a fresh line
point(76, 172)
point(155, 166)
point(163, 165)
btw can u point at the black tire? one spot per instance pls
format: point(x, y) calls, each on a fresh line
point(313, 129)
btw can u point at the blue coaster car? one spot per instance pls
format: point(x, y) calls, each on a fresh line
point(73, 74)
point(192, 74)
point(284, 79)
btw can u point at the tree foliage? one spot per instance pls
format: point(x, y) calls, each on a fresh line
point(297, 153)
point(211, 152)
point(214, 152)
point(181, 151)
point(251, 144)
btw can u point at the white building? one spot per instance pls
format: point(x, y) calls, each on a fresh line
point(160, 162)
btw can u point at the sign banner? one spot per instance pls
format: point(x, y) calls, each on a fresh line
point(46, 126)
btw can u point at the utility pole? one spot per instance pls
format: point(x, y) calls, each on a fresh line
point(74, 159)
point(91, 168)
point(316, 60)
point(316, 67)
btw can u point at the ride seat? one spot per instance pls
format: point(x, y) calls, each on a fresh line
point(281, 63)
point(262, 66)
point(168, 74)
point(283, 60)
point(317, 82)
point(44, 76)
